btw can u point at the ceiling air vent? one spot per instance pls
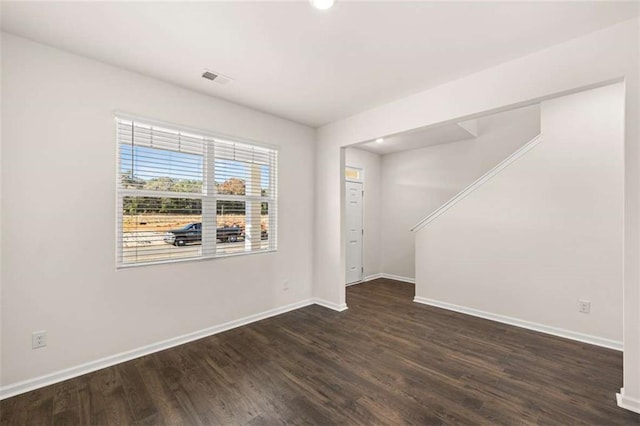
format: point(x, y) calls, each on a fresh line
point(216, 77)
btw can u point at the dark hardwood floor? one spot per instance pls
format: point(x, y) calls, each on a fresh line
point(386, 360)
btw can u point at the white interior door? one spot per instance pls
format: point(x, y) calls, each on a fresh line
point(354, 231)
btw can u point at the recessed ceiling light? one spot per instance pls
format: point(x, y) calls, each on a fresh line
point(322, 4)
point(380, 140)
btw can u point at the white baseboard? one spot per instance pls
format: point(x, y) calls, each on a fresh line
point(383, 275)
point(365, 279)
point(627, 403)
point(585, 338)
point(69, 373)
point(398, 278)
point(330, 305)
point(372, 277)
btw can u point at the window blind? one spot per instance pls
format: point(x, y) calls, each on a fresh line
point(183, 195)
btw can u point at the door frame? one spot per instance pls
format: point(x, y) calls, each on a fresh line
point(360, 180)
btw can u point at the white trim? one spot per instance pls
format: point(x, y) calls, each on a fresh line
point(69, 373)
point(330, 305)
point(372, 277)
point(387, 276)
point(627, 403)
point(478, 183)
point(398, 278)
point(192, 259)
point(360, 169)
point(560, 332)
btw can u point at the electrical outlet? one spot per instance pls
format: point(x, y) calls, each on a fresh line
point(38, 339)
point(584, 306)
point(285, 285)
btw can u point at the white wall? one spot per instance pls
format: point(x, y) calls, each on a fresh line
point(545, 232)
point(370, 163)
point(417, 182)
point(58, 217)
point(605, 55)
point(1, 208)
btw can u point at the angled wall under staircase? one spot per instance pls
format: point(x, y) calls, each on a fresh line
point(530, 240)
point(415, 183)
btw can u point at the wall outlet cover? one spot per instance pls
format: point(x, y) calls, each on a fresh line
point(584, 306)
point(38, 339)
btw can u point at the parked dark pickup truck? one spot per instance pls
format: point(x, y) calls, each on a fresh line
point(192, 233)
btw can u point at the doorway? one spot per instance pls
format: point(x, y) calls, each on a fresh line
point(355, 232)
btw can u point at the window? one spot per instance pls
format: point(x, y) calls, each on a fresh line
point(183, 195)
point(353, 173)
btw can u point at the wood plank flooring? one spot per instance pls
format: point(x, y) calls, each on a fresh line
point(386, 360)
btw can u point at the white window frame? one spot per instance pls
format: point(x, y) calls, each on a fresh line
point(360, 171)
point(209, 196)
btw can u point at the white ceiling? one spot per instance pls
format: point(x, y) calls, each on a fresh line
point(420, 138)
point(449, 132)
point(310, 66)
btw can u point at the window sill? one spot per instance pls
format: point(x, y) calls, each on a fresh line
point(191, 259)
